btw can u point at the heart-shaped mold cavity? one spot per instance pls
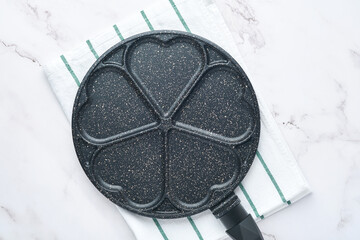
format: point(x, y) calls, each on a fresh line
point(191, 183)
point(218, 105)
point(113, 105)
point(154, 62)
point(148, 172)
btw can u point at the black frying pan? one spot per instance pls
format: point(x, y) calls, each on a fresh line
point(166, 124)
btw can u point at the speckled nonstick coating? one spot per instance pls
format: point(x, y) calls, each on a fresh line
point(166, 124)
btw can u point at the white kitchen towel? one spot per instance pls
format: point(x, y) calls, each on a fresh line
point(274, 180)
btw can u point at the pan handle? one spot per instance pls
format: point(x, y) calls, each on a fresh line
point(238, 223)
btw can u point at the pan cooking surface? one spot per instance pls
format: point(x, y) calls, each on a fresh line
point(166, 124)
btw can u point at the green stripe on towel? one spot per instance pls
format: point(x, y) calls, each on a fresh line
point(118, 32)
point(272, 178)
point(147, 20)
point(250, 201)
point(195, 228)
point(179, 15)
point(92, 49)
point(160, 229)
point(67, 65)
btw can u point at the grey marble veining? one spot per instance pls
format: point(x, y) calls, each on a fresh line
point(304, 56)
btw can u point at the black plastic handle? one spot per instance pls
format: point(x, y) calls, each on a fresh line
point(238, 223)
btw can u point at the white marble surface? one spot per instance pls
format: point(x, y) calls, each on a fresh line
point(304, 54)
